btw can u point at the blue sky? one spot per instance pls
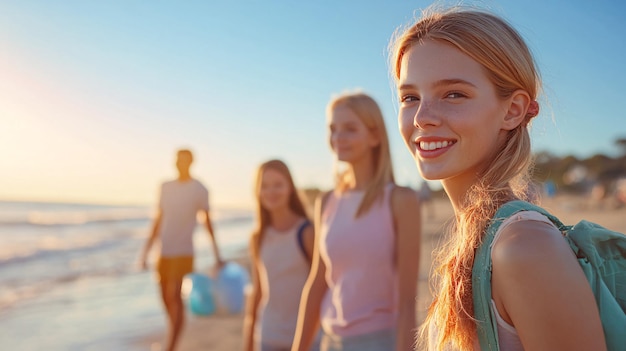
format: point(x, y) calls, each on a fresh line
point(96, 96)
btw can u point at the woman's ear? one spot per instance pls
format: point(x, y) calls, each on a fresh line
point(516, 111)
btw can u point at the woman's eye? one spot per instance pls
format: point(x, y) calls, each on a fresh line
point(455, 95)
point(409, 98)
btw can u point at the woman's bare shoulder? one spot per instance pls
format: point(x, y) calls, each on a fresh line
point(527, 243)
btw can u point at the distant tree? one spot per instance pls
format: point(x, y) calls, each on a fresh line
point(597, 164)
point(545, 165)
point(621, 143)
point(567, 172)
point(565, 165)
point(544, 157)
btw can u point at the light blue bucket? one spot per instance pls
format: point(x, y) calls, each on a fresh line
point(201, 297)
point(229, 287)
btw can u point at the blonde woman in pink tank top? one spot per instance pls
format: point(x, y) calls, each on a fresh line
point(280, 247)
point(363, 279)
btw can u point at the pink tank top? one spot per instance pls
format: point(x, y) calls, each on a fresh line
point(359, 254)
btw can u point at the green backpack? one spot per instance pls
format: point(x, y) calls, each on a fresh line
point(601, 254)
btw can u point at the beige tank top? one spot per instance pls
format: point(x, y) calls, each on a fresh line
point(283, 272)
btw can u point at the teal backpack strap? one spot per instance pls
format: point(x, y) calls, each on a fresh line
point(601, 254)
point(486, 323)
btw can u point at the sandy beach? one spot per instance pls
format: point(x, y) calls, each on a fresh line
point(223, 332)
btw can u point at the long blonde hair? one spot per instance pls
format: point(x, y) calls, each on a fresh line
point(264, 219)
point(367, 110)
point(509, 64)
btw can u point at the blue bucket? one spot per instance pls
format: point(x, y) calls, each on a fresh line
point(229, 288)
point(201, 301)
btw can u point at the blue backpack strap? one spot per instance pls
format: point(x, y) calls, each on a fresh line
point(481, 273)
point(300, 236)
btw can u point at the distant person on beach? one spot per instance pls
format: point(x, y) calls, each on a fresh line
point(363, 281)
point(281, 248)
point(467, 90)
point(179, 203)
point(549, 188)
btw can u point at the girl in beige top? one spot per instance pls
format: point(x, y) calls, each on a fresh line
point(281, 247)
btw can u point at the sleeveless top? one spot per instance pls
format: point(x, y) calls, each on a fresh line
point(507, 335)
point(282, 273)
point(359, 254)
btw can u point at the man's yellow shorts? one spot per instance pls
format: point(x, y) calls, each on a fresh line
point(174, 268)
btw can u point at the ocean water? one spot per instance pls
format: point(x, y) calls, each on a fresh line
point(69, 278)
